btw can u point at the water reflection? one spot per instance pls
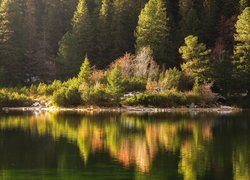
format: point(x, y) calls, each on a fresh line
point(204, 145)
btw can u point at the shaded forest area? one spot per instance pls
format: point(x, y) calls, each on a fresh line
point(208, 40)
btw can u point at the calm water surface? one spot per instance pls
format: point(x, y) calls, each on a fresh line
point(122, 146)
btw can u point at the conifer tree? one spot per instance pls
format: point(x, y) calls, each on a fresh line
point(75, 44)
point(242, 49)
point(189, 23)
point(85, 72)
point(208, 19)
point(153, 29)
point(196, 57)
point(115, 83)
point(11, 30)
point(104, 35)
point(122, 27)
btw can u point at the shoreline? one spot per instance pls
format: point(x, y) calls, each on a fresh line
point(222, 109)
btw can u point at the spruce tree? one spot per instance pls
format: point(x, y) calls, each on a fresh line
point(85, 72)
point(208, 21)
point(153, 30)
point(196, 57)
point(190, 22)
point(75, 44)
point(11, 51)
point(104, 35)
point(115, 84)
point(122, 27)
point(242, 49)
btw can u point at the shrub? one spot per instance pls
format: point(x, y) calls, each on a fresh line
point(67, 97)
point(73, 82)
point(13, 99)
point(134, 84)
point(53, 87)
point(204, 92)
point(42, 89)
point(33, 89)
point(166, 99)
point(99, 97)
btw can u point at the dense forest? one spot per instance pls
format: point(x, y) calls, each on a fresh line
point(207, 41)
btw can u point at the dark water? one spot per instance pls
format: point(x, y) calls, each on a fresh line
point(119, 146)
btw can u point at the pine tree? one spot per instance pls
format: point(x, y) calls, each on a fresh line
point(122, 27)
point(208, 19)
point(104, 35)
point(242, 49)
point(189, 23)
point(196, 57)
point(11, 30)
point(115, 83)
point(75, 44)
point(152, 29)
point(85, 72)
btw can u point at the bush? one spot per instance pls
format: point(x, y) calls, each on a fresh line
point(163, 100)
point(13, 99)
point(99, 97)
point(67, 97)
point(204, 92)
point(134, 84)
point(53, 87)
point(42, 89)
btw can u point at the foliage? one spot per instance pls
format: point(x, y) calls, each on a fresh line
point(67, 97)
point(85, 72)
point(171, 79)
point(242, 49)
point(163, 100)
point(12, 98)
point(196, 57)
point(115, 84)
point(152, 29)
point(134, 84)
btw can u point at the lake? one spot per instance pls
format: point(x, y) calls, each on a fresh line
point(44, 145)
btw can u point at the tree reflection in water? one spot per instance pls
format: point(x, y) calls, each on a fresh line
point(137, 140)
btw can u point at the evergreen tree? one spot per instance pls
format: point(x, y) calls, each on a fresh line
point(189, 23)
point(75, 44)
point(104, 35)
point(153, 30)
point(115, 83)
point(85, 72)
point(11, 30)
point(196, 57)
point(123, 26)
point(208, 19)
point(242, 49)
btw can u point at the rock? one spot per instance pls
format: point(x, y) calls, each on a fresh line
point(36, 104)
point(192, 106)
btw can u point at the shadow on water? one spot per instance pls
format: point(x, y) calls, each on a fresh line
point(124, 146)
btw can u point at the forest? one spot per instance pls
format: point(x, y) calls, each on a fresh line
point(132, 52)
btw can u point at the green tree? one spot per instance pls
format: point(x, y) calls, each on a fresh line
point(196, 57)
point(242, 49)
point(85, 72)
point(11, 51)
point(115, 85)
point(190, 22)
point(208, 21)
point(75, 44)
point(104, 40)
point(152, 29)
